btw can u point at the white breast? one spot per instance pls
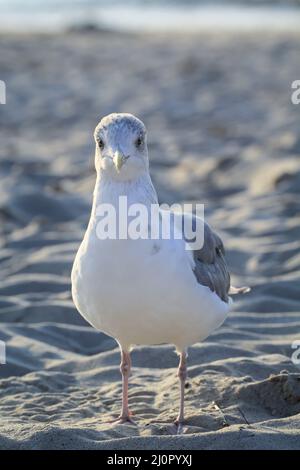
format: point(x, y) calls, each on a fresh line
point(143, 292)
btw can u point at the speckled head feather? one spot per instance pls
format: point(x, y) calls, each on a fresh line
point(118, 122)
point(121, 147)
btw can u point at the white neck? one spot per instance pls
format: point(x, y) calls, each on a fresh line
point(139, 190)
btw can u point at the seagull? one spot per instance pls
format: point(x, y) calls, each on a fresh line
point(145, 290)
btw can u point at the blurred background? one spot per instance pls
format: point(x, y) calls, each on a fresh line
point(142, 15)
point(212, 82)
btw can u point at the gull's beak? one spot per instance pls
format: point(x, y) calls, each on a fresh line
point(119, 160)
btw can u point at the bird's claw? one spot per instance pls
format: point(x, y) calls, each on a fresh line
point(179, 426)
point(122, 420)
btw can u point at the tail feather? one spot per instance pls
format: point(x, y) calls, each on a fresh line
point(239, 290)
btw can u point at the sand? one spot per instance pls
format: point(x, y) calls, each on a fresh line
point(223, 131)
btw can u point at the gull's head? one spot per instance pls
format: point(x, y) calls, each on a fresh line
point(121, 147)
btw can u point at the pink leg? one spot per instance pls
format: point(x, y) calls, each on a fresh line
point(182, 374)
point(125, 368)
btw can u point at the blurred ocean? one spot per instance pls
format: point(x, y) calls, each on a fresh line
point(149, 15)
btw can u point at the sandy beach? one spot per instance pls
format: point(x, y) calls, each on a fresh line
point(222, 130)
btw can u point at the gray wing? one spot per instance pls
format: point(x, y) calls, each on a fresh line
point(210, 264)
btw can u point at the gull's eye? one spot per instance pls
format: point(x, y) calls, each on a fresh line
point(101, 144)
point(139, 142)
